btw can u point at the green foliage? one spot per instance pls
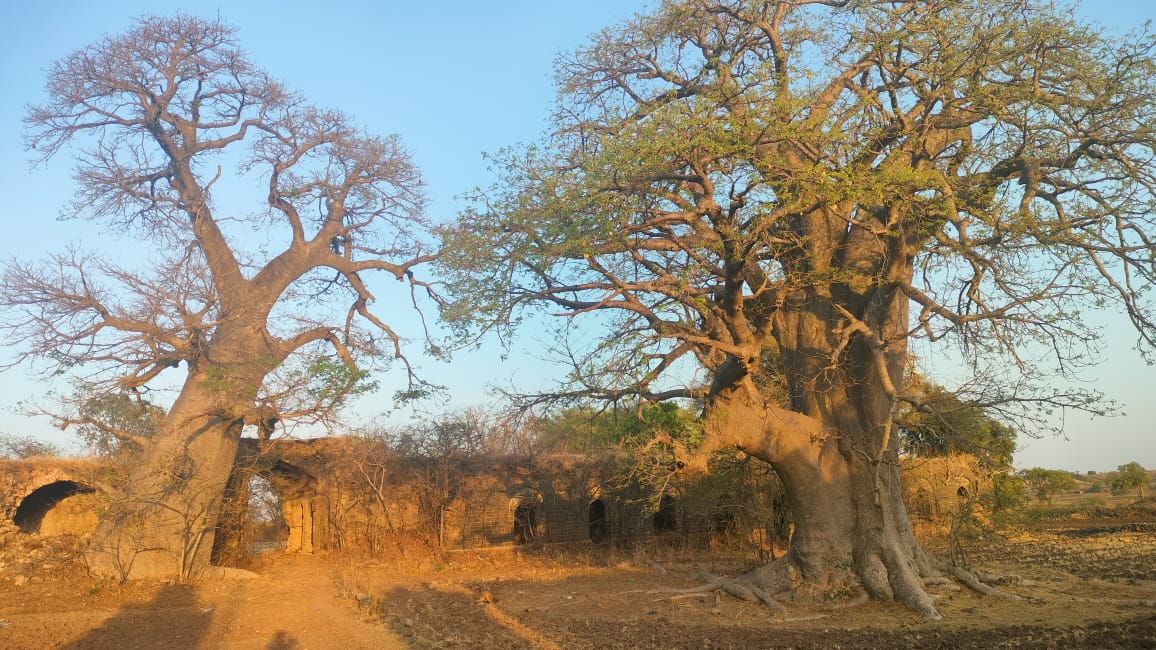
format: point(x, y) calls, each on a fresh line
point(585, 429)
point(109, 421)
point(1128, 476)
point(316, 387)
point(333, 382)
point(1007, 493)
point(1046, 482)
point(947, 425)
point(714, 169)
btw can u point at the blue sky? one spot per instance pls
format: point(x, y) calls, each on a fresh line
point(453, 79)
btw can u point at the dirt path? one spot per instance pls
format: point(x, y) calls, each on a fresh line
point(294, 603)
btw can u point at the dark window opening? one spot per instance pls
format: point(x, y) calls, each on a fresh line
point(525, 523)
point(599, 532)
point(666, 517)
point(30, 513)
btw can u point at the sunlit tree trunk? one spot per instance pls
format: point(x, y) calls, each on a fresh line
point(835, 451)
point(163, 523)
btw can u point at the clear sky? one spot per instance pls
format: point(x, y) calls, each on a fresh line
point(453, 78)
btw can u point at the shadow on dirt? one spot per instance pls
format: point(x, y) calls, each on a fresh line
point(172, 616)
point(282, 640)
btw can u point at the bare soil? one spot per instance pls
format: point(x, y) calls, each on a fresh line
point(1080, 589)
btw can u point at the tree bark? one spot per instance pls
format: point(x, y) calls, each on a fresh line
point(163, 523)
point(833, 448)
point(852, 531)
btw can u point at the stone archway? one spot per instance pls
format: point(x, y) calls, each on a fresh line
point(666, 516)
point(305, 512)
point(302, 515)
point(599, 528)
point(53, 509)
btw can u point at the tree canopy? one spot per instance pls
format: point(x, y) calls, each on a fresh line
point(985, 163)
point(1128, 476)
point(160, 119)
point(1046, 482)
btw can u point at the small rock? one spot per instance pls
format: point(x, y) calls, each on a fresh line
point(20, 581)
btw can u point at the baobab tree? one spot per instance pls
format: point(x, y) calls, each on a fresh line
point(788, 195)
point(253, 330)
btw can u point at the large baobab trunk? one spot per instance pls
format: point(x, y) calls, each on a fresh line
point(852, 532)
point(162, 523)
point(834, 450)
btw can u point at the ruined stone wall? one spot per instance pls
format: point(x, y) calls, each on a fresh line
point(333, 494)
point(48, 496)
point(936, 488)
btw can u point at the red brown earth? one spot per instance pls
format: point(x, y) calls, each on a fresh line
point(1082, 590)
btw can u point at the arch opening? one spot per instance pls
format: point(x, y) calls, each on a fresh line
point(29, 515)
point(599, 531)
point(666, 517)
point(525, 523)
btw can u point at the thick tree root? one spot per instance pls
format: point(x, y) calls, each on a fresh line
point(975, 584)
point(743, 587)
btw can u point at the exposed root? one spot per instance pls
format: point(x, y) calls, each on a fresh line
point(743, 587)
point(938, 581)
point(975, 584)
point(998, 579)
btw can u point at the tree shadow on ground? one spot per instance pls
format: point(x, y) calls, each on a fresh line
point(171, 619)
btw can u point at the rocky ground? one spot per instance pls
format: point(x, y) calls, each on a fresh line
point(1080, 587)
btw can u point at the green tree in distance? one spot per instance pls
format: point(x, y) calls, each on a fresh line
point(1130, 475)
point(254, 333)
point(585, 429)
point(1046, 482)
point(801, 189)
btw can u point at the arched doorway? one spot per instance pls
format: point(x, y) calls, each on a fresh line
point(33, 509)
point(599, 530)
point(525, 522)
point(666, 517)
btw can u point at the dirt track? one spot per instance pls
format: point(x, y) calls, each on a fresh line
point(1097, 591)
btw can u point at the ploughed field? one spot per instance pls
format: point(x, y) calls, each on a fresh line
point(1075, 586)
